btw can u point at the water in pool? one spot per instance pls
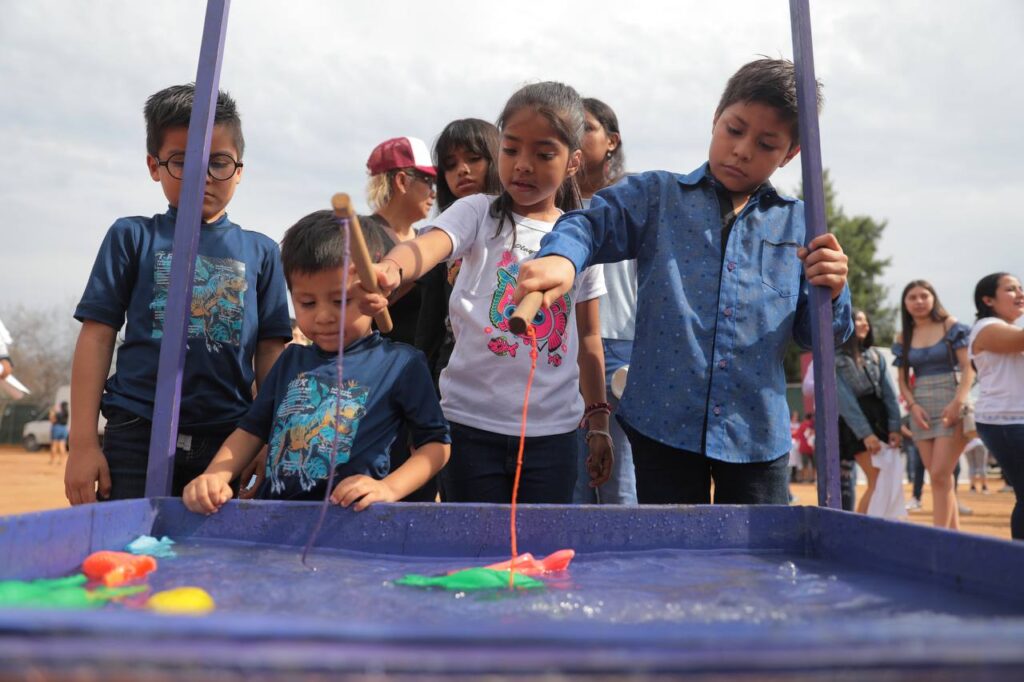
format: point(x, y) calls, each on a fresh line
point(664, 586)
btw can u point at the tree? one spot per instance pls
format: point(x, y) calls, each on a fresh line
point(42, 348)
point(859, 236)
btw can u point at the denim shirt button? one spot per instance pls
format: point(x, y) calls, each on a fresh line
point(731, 266)
point(727, 312)
point(717, 410)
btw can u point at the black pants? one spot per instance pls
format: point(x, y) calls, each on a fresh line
point(1006, 442)
point(668, 475)
point(483, 465)
point(126, 447)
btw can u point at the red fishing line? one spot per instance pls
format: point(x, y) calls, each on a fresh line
point(531, 335)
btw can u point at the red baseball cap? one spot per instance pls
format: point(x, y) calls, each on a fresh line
point(401, 152)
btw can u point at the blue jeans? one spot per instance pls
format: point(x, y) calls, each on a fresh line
point(621, 487)
point(1006, 442)
point(482, 467)
point(668, 475)
point(126, 447)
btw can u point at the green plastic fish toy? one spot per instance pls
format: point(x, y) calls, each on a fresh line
point(471, 580)
point(59, 593)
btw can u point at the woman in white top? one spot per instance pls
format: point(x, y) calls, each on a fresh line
point(997, 350)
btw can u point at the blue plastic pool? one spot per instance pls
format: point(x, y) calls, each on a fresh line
point(707, 591)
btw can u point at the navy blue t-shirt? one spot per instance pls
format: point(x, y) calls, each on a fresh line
point(238, 299)
point(387, 384)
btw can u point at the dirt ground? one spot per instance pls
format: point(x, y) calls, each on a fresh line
point(28, 483)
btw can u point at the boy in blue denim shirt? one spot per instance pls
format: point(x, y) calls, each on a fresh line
point(238, 322)
point(721, 291)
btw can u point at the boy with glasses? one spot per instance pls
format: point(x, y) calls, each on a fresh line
point(238, 322)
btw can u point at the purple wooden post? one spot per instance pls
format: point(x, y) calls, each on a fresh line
point(826, 413)
point(163, 441)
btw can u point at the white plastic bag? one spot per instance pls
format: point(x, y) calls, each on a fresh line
point(887, 501)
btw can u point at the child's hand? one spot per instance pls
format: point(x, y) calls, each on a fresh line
point(895, 439)
point(552, 275)
point(370, 304)
point(825, 264)
point(389, 276)
point(872, 444)
point(600, 459)
point(362, 491)
point(86, 475)
point(258, 469)
point(207, 493)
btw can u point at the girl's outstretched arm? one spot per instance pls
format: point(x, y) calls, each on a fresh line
point(999, 338)
point(592, 387)
point(410, 260)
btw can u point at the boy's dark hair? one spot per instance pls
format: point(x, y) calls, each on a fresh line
point(476, 137)
point(315, 243)
point(562, 106)
point(172, 108)
point(771, 82)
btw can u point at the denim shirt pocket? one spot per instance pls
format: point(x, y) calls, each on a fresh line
point(780, 267)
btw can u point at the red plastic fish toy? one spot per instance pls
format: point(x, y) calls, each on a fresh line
point(526, 564)
point(117, 568)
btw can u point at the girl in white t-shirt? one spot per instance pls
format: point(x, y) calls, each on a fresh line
point(996, 347)
point(483, 385)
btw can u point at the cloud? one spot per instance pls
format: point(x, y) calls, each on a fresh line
point(920, 125)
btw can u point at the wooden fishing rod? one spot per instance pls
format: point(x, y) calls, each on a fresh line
point(360, 255)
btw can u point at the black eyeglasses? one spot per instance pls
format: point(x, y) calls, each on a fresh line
point(430, 182)
point(221, 167)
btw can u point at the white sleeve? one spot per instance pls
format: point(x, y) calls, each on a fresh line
point(462, 222)
point(591, 284)
point(5, 338)
point(807, 387)
point(978, 326)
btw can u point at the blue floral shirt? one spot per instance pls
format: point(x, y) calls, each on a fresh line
point(712, 328)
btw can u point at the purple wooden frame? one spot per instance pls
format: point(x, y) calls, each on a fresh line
point(163, 441)
point(826, 410)
point(293, 645)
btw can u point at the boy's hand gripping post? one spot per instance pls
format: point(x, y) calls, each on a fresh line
point(527, 309)
point(342, 206)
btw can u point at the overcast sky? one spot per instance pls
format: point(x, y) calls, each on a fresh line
point(921, 127)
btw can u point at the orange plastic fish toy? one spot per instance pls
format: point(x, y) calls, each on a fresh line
point(526, 564)
point(117, 568)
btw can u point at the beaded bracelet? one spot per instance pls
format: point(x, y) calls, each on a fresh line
point(597, 407)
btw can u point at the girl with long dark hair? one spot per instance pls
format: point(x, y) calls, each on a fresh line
point(930, 350)
point(869, 414)
point(482, 387)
